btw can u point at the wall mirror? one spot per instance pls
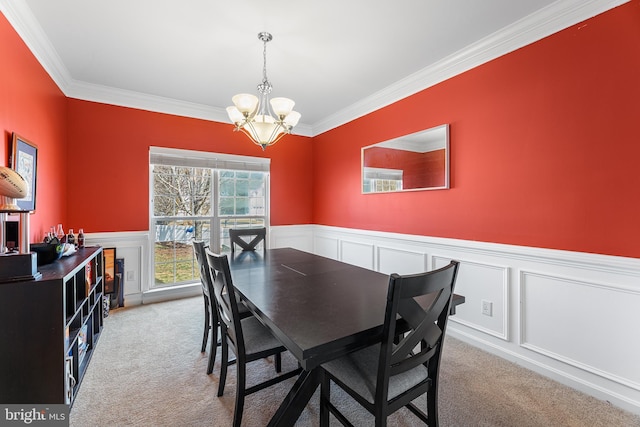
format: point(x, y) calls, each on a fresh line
point(418, 161)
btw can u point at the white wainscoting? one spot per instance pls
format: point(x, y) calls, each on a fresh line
point(571, 316)
point(133, 247)
point(567, 315)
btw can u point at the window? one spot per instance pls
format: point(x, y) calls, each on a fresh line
point(200, 196)
point(375, 180)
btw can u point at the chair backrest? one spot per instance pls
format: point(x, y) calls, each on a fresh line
point(226, 300)
point(201, 257)
point(418, 304)
point(247, 238)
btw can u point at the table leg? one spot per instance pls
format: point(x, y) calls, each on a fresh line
point(297, 399)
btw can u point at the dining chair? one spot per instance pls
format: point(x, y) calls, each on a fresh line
point(241, 236)
point(211, 322)
point(390, 375)
point(209, 316)
point(248, 338)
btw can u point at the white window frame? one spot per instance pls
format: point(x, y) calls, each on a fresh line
point(202, 159)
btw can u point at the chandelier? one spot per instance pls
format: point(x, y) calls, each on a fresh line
point(264, 121)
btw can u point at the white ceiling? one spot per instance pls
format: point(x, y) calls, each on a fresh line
point(338, 59)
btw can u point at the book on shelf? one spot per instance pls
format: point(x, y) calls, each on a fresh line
point(70, 381)
point(83, 342)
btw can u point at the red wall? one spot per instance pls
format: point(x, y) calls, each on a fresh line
point(33, 106)
point(109, 148)
point(544, 148)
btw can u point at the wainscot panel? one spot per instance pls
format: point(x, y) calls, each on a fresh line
point(357, 253)
point(133, 247)
point(401, 261)
point(482, 285)
point(581, 329)
point(294, 236)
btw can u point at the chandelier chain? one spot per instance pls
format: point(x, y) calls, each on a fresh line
point(264, 87)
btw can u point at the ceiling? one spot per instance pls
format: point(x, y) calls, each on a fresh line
point(338, 59)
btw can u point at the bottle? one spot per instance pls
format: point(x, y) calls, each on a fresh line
point(71, 238)
point(60, 233)
point(53, 239)
point(81, 238)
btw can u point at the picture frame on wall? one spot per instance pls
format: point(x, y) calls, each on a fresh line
point(24, 160)
point(109, 270)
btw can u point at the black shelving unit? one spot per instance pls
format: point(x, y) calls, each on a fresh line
point(49, 328)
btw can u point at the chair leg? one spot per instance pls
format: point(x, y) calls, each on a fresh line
point(381, 417)
point(240, 392)
point(278, 358)
point(224, 361)
point(207, 326)
point(325, 398)
point(214, 344)
point(432, 405)
point(212, 353)
point(381, 422)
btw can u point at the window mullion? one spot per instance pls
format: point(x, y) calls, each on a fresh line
point(216, 239)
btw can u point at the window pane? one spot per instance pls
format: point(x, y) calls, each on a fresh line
point(227, 206)
point(256, 188)
point(186, 271)
point(185, 209)
point(163, 206)
point(164, 231)
point(202, 231)
point(242, 188)
point(164, 262)
point(227, 186)
point(242, 206)
point(202, 206)
point(183, 231)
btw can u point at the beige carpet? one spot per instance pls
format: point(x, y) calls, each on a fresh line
point(147, 370)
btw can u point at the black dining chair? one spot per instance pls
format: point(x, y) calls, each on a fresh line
point(211, 322)
point(390, 375)
point(209, 307)
point(247, 238)
point(249, 339)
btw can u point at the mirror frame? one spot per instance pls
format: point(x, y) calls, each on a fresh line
point(413, 137)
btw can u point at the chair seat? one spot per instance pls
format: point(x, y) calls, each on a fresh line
point(359, 371)
point(257, 337)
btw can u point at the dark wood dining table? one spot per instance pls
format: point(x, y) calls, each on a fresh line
point(319, 308)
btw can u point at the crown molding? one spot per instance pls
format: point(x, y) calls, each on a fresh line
point(24, 23)
point(158, 104)
point(549, 20)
